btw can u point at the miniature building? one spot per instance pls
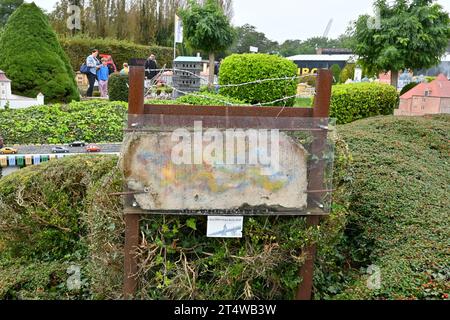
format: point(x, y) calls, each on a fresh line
point(14, 101)
point(426, 98)
point(81, 79)
point(310, 63)
point(186, 77)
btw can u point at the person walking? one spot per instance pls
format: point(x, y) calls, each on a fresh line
point(111, 65)
point(103, 76)
point(93, 64)
point(151, 68)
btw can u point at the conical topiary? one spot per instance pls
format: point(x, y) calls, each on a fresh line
point(33, 59)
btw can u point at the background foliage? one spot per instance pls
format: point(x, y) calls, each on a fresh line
point(140, 21)
point(348, 72)
point(411, 34)
point(78, 48)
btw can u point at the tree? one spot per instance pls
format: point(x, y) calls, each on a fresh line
point(310, 46)
point(207, 28)
point(347, 73)
point(7, 7)
point(336, 70)
point(33, 59)
point(248, 36)
point(406, 35)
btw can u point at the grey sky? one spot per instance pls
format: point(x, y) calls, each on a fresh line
point(292, 19)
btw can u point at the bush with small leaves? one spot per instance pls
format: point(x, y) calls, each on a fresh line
point(243, 68)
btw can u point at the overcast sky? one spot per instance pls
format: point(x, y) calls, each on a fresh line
point(292, 19)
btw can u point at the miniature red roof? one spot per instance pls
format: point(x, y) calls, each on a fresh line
point(437, 88)
point(3, 76)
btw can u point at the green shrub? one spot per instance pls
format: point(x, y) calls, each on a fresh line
point(350, 102)
point(336, 70)
point(408, 87)
point(208, 99)
point(33, 59)
point(398, 196)
point(92, 121)
point(243, 68)
point(50, 208)
point(118, 88)
point(264, 264)
point(391, 199)
point(310, 80)
point(78, 48)
point(161, 101)
point(348, 72)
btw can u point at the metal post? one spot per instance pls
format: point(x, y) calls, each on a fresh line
point(135, 109)
point(321, 110)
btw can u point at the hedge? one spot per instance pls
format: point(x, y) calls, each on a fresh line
point(243, 68)
point(92, 121)
point(208, 99)
point(78, 48)
point(118, 88)
point(350, 102)
point(399, 207)
point(264, 264)
point(390, 200)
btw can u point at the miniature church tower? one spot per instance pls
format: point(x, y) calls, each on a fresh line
point(5, 86)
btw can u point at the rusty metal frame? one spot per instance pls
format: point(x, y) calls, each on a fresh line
point(317, 190)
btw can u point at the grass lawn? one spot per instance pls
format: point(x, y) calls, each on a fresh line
point(303, 102)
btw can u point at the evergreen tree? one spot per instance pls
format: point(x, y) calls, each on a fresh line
point(33, 59)
point(336, 70)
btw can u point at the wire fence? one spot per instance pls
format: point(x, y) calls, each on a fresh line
point(165, 78)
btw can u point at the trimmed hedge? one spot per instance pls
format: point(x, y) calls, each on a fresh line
point(243, 68)
point(118, 88)
point(208, 99)
point(78, 48)
point(264, 264)
point(92, 121)
point(350, 102)
point(394, 191)
point(399, 203)
point(33, 59)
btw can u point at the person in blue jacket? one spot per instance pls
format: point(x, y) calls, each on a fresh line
point(103, 76)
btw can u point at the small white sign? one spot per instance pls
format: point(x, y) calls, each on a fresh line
point(254, 49)
point(225, 227)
